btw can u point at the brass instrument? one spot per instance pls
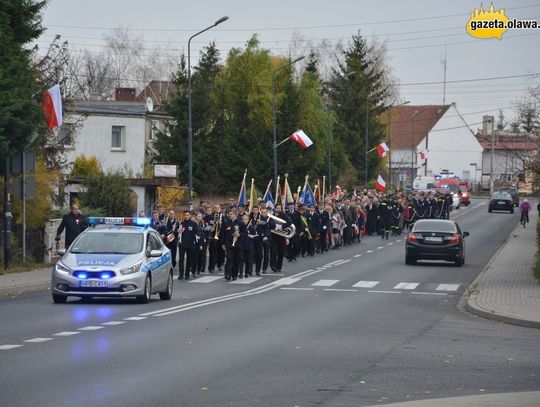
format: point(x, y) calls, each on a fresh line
point(287, 232)
point(236, 235)
point(306, 227)
point(216, 228)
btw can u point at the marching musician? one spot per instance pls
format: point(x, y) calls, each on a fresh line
point(216, 256)
point(171, 235)
point(254, 221)
point(263, 229)
point(278, 243)
point(203, 243)
point(294, 247)
point(245, 244)
point(305, 236)
point(229, 236)
point(188, 246)
point(325, 225)
point(314, 227)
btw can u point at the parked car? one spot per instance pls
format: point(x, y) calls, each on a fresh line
point(115, 257)
point(513, 193)
point(436, 239)
point(501, 201)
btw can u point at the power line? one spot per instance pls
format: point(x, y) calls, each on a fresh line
point(294, 27)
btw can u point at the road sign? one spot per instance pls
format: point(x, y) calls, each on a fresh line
point(165, 171)
point(29, 163)
point(29, 186)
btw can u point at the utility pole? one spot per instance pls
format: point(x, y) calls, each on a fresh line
point(7, 215)
point(443, 62)
point(366, 144)
point(491, 179)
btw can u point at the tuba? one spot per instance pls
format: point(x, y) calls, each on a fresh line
point(287, 232)
point(217, 226)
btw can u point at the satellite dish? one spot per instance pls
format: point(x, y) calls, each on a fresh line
point(149, 104)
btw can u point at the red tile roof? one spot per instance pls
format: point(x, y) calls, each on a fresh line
point(406, 132)
point(509, 145)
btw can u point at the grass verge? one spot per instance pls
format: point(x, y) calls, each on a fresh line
point(25, 267)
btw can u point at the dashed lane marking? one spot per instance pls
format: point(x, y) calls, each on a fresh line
point(426, 293)
point(113, 323)
point(357, 255)
point(247, 280)
point(366, 284)
point(380, 247)
point(406, 286)
point(207, 279)
point(399, 240)
point(297, 288)
point(325, 283)
point(9, 347)
point(38, 340)
point(369, 251)
point(344, 290)
point(66, 333)
point(384, 292)
point(91, 328)
point(134, 318)
point(342, 262)
point(447, 287)
point(287, 281)
point(389, 244)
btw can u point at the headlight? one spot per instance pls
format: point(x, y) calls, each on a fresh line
point(61, 268)
point(132, 269)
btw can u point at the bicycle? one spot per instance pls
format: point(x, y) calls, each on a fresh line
point(524, 218)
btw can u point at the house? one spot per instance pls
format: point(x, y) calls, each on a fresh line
point(511, 152)
point(440, 129)
point(119, 133)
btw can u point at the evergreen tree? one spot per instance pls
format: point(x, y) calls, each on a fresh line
point(356, 89)
point(20, 115)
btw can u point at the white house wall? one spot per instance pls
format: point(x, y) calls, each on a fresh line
point(95, 136)
point(451, 147)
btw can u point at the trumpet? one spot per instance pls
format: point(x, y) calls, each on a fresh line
point(287, 232)
point(236, 234)
point(216, 229)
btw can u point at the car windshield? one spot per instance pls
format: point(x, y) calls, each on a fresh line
point(108, 243)
point(434, 226)
point(501, 195)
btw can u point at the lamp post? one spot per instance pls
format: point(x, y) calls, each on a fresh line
point(274, 143)
point(190, 129)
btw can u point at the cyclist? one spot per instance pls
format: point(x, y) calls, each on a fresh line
point(525, 208)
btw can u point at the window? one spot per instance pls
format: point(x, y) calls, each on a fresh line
point(66, 134)
point(118, 138)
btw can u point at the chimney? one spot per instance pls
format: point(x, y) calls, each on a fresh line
point(125, 95)
point(487, 125)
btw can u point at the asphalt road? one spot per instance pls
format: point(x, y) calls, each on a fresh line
point(353, 327)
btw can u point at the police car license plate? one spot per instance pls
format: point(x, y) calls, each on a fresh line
point(435, 239)
point(94, 284)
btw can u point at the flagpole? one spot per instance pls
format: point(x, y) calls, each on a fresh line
point(268, 188)
point(251, 193)
point(323, 187)
point(277, 192)
point(373, 149)
point(242, 184)
point(281, 142)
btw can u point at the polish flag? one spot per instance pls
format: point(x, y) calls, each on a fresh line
point(51, 103)
point(301, 138)
point(382, 149)
point(380, 185)
point(423, 154)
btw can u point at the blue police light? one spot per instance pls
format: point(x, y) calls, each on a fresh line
point(105, 276)
point(93, 220)
point(82, 275)
point(142, 221)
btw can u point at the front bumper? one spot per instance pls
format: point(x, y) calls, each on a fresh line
point(67, 284)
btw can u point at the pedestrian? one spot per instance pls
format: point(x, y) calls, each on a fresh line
point(188, 246)
point(278, 242)
point(263, 229)
point(171, 235)
point(74, 223)
point(245, 245)
point(230, 234)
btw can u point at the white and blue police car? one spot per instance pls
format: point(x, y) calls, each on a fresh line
point(114, 257)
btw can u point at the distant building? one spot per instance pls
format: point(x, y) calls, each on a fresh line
point(451, 145)
point(119, 133)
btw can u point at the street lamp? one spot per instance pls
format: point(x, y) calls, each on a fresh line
point(274, 144)
point(190, 130)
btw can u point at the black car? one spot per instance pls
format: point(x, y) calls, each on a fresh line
point(501, 201)
point(513, 193)
point(436, 239)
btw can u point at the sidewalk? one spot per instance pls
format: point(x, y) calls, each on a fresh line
point(16, 283)
point(524, 399)
point(506, 289)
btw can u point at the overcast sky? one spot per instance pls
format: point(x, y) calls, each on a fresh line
point(416, 33)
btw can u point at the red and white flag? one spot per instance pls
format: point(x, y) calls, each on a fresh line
point(382, 149)
point(301, 138)
point(423, 154)
point(380, 185)
point(51, 103)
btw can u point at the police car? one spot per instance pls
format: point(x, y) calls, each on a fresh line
point(114, 257)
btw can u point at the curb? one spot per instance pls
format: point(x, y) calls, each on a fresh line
point(472, 306)
point(20, 289)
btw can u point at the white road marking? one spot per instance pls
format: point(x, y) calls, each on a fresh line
point(91, 328)
point(384, 292)
point(406, 286)
point(389, 244)
point(369, 251)
point(399, 240)
point(331, 264)
point(66, 333)
point(113, 323)
point(342, 262)
point(380, 247)
point(357, 255)
point(344, 290)
point(447, 287)
point(38, 340)
point(272, 274)
point(287, 281)
point(247, 280)
point(426, 293)
point(9, 347)
point(296, 289)
point(366, 284)
point(207, 279)
point(134, 318)
point(325, 283)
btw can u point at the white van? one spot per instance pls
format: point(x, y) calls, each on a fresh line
point(424, 184)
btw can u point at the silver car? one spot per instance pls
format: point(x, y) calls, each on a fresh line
point(114, 260)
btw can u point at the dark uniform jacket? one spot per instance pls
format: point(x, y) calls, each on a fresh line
point(74, 225)
point(227, 231)
point(190, 232)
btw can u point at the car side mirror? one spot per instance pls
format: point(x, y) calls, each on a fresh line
point(61, 252)
point(156, 253)
point(465, 234)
